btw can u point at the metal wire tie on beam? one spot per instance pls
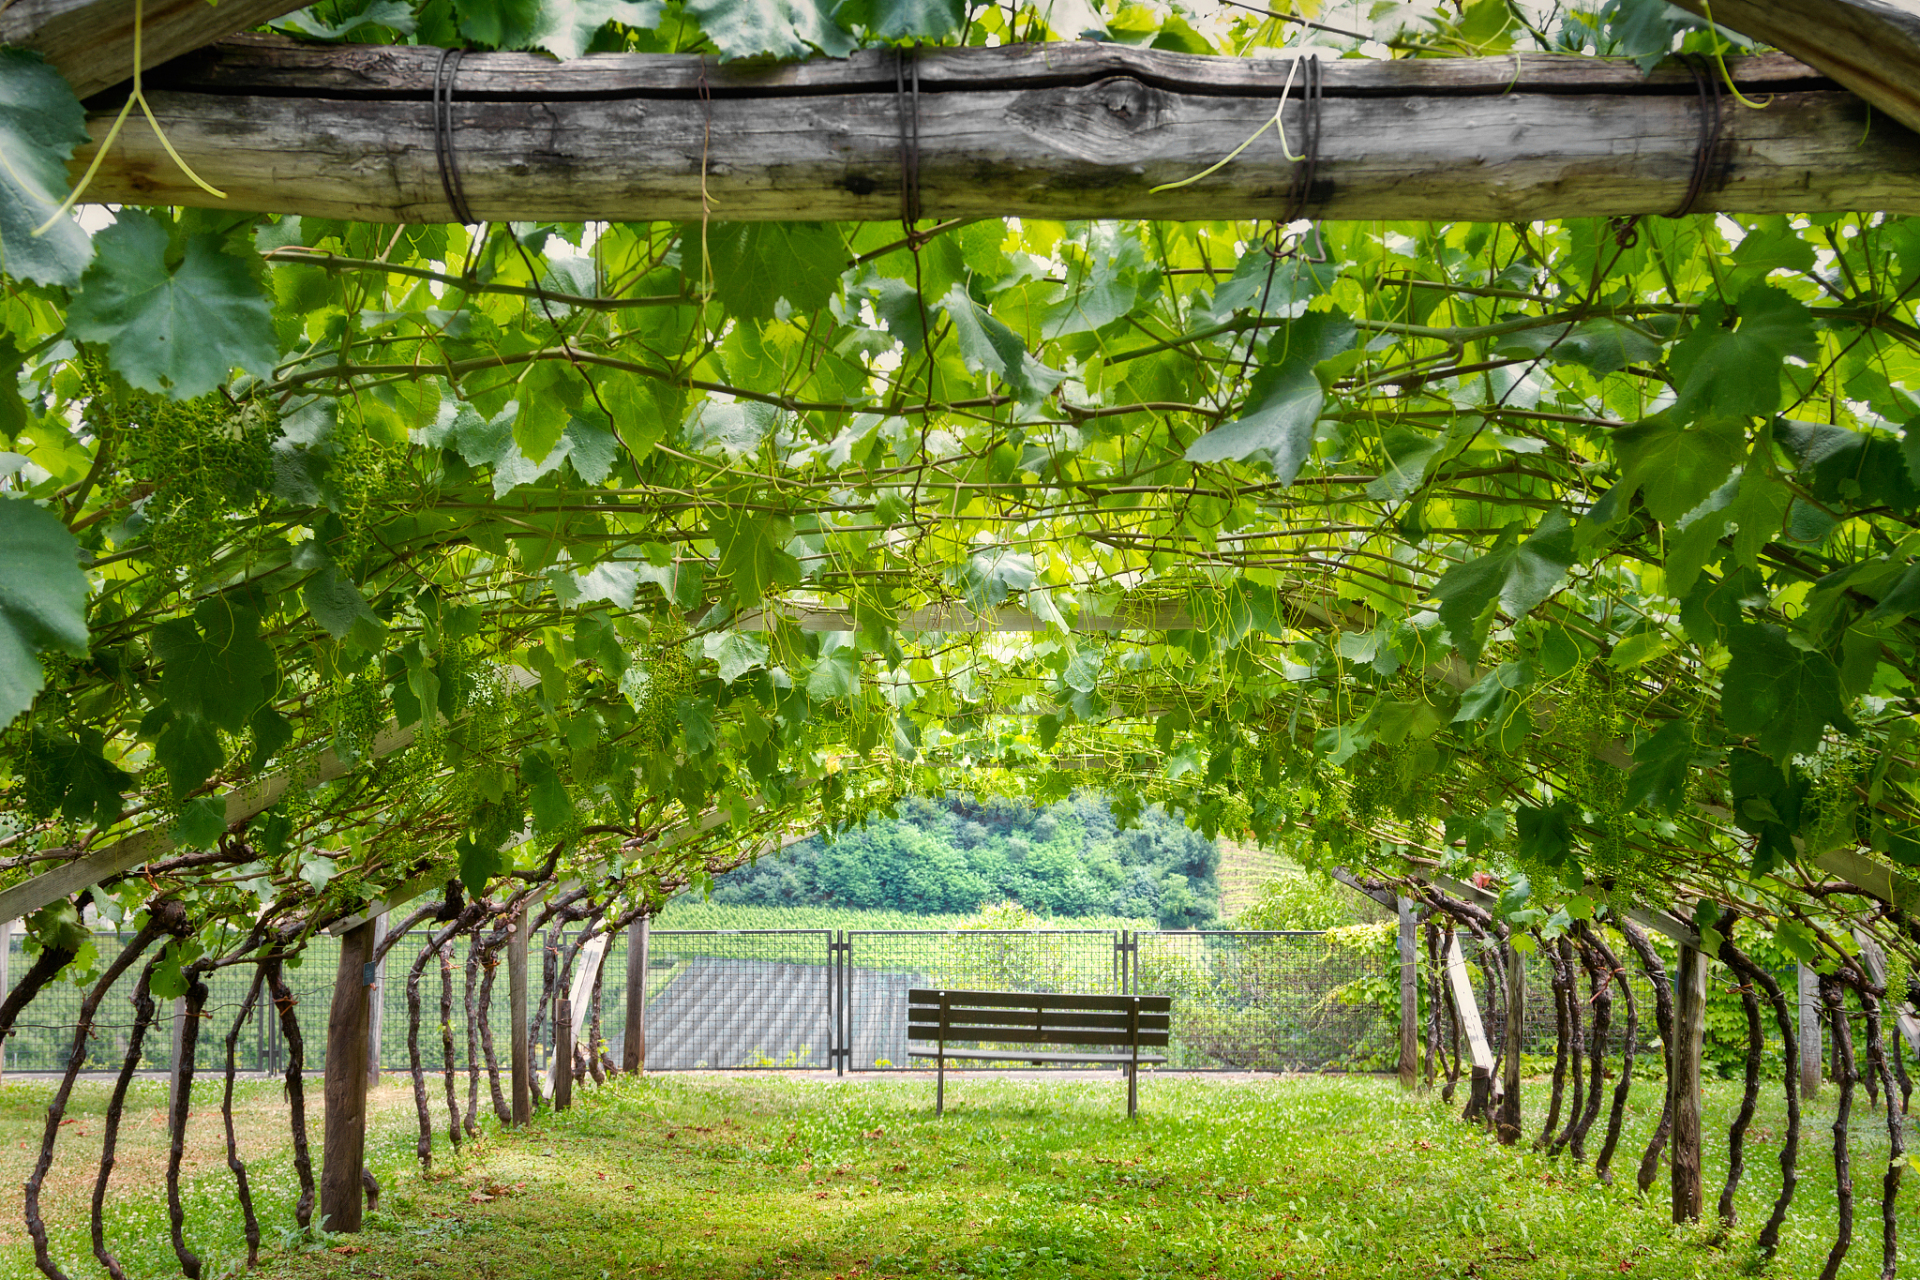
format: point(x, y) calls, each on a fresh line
point(444, 72)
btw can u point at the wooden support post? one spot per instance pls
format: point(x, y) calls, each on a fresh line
point(1689, 1044)
point(562, 1052)
point(586, 973)
point(376, 1002)
point(1409, 998)
point(522, 1058)
point(1480, 1097)
point(1507, 1123)
point(344, 1158)
point(633, 1051)
point(1809, 1032)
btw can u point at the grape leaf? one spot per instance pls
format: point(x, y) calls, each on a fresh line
point(71, 776)
point(993, 573)
point(931, 20)
point(1284, 400)
point(41, 123)
point(43, 600)
point(752, 555)
point(1674, 466)
point(178, 329)
point(1729, 364)
point(772, 28)
point(1659, 777)
point(755, 264)
point(1784, 697)
point(1516, 572)
point(216, 666)
point(988, 346)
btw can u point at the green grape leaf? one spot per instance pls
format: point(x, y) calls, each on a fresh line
point(1545, 832)
point(43, 600)
point(990, 347)
point(1516, 573)
point(336, 603)
point(1659, 777)
point(993, 573)
point(73, 777)
point(1284, 399)
point(308, 24)
point(201, 823)
point(1643, 29)
point(1675, 467)
point(1729, 363)
point(737, 653)
point(752, 554)
point(1850, 468)
point(178, 329)
point(1782, 696)
point(216, 666)
point(547, 798)
point(272, 733)
point(1604, 345)
point(835, 676)
point(41, 123)
point(784, 29)
point(756, 264)
point(929, 20)
point(189, 750)
point(479, 863)
point(566, 27)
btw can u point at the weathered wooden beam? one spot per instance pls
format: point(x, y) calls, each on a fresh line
point(1870, 46)
point(1409, 996)
point(90, 42)
point(1809, 1050)
point(586, 971)
point(633, 1047)
point(344, 1152)
point(1689, 1047)
point(1385, 899)
point(1481, 1096)
point(1077, 130)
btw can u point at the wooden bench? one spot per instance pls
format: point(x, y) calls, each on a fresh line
point(1125, 1023)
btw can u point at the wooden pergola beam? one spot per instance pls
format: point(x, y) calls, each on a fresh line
point(1062, 131)
point(1870, 46)
point(90, 42)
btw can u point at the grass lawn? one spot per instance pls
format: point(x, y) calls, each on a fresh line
point(694, 1176)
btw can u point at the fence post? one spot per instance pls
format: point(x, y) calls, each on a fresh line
point(562, 1051)
point(1809, 1031)
point(1689, 1043)
point(633, 1050)
point(1507, 1126)
point(343, 1157)
point(1409, 999)
point(522, 1065)
point(6, 981)
point(376, 1002)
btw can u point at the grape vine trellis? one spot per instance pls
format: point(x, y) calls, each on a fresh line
point(569, 562)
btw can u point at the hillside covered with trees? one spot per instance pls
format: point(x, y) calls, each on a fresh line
point(957, 853)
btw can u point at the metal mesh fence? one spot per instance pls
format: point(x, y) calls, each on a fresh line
point(818, 999)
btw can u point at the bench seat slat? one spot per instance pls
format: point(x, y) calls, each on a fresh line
point(986, 1055)
point(1032, 1035)
point(930, 996)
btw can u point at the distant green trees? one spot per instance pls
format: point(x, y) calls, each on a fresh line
point(956, 853)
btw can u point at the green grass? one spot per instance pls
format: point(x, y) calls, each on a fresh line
point(701, 1176)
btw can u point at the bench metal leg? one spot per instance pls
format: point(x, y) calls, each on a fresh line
point(1133, 1090)
point(940, 1086)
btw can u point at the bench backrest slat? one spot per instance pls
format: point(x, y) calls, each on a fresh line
point(1036, 1000)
